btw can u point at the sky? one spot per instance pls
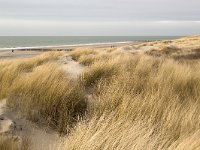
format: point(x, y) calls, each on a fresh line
point(99, 17)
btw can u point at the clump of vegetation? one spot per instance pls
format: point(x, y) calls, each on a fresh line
point(41, 90)
point(165, 51)
point(10, 70)
point(9, 143)
point(76, 54)
point(147, 104)
point(87, 60)
point(47, 93)
point(99, 71)
point(134, 101)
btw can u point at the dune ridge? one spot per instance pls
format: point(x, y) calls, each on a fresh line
point(143, 96)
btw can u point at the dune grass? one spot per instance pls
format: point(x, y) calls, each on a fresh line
point(186, 48)
point(9, 143)
point(87, 60)
point(42, 91)
point(77, 53)
point(10, 70)
point(151, 103)
point(139, 101)
point(103, 67)
point(48, 94)
point(97, 72)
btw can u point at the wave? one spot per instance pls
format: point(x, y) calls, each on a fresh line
point(69, 46)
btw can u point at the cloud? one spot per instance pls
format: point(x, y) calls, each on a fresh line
point(104, 28)
point(113, 17)
point(102, 9)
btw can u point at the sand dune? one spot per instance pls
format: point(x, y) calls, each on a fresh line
point(142, 96)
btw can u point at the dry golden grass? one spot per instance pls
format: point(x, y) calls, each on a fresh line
point(98, 71)
point(10, 70)
point(184, 43)
point(77, 53)
point(104, 66)
point(42, 91)
point(97, 55)
point(137, 101)
point(47, 93)
point(183, 48)
point(87, 60)
point(151, 103)
point(147, 102)
point(9, 143)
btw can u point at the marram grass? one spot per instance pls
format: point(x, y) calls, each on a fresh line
point(120, 101)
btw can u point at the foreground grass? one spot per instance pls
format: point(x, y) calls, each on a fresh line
point(10, 70)
point(150, 103)
point(9, 143)
point(40, 90)
point(138, 101)
point(47, 93)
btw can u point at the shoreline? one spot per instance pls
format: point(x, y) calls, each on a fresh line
point(28, 52)
point(70, 47)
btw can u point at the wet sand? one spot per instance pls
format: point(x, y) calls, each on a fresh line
point(17, 54)
point(28, 52)
point(70, 47)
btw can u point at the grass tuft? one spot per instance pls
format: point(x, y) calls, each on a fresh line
point(76, 54)
point(47, 93)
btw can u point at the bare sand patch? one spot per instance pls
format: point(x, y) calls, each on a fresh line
point(39, 137)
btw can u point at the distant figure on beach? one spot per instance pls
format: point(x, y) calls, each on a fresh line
point(12, 50)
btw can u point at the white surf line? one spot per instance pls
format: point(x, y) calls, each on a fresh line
point(68, 46)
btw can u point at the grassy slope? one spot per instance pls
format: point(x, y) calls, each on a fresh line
point(186, 48)
point(147, 103)
point(137, 101)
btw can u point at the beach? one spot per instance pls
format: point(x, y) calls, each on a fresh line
point(27, 52)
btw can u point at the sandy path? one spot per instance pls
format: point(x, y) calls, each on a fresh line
point(72, 68)
point(39, 138)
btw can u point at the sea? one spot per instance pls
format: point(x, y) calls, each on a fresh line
point(40, 41)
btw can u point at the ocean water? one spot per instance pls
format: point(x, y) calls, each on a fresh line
point(36, 41)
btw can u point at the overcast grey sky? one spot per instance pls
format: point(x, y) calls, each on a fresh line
point(99, 17)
